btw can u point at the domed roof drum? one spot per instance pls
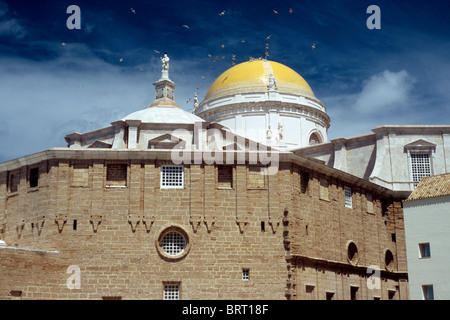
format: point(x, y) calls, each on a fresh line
point(253, 76)
point(263, 96)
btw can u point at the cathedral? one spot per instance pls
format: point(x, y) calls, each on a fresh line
point(244, 198)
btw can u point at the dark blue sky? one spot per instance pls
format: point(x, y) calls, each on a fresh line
point(55, 81)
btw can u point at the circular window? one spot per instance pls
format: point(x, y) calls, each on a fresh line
point(173, 243)
point(389, 260)
point(352, 253)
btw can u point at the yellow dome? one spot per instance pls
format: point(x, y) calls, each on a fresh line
point(253, 76)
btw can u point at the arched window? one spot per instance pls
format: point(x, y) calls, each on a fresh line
point(314, 139)
point(389, 260)
point(352, 253)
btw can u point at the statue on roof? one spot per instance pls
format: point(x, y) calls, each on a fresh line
point(165, 62)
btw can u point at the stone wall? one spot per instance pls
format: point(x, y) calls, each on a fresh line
point(272, 226)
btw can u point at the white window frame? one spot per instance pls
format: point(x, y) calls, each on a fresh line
point(164, 184)
point(427, 293)
point(420, 167)
point(348, 197)
point(171, 291)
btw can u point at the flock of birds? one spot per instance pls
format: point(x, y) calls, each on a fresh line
point(216, 58)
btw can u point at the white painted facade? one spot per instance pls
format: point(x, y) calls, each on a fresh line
point(427, 221)
point(384, 157)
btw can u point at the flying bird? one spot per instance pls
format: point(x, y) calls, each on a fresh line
point(63, 44)
point(132, 10)
point(290, 10)
point(222, 13)
point(121, 60)
point(313, 46)
point(275, 11)
point(187, 27)
point(156, 51)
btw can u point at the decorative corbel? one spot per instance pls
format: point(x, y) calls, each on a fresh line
point(19, 228)
point(134, 221)
point(148, 222)
point(95, 220)
point(196, 223)
point(60, 221)
point(39, 224)
point(209, 225)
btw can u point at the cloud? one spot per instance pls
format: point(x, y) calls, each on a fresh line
point(10, 26)
point(44, 101)
point(383, 92)
point(384, 98)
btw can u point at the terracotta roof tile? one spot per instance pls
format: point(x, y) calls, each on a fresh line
point(429, 187)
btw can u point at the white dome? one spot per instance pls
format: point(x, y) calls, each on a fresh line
point(164, 114)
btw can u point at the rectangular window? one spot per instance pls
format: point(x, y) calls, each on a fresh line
point(172, 291)
point(428, 293)
point(424, 250)
point(172, 177)
point(255, 178)
point(225, 177)
point(309, 289)
point(80, 175)
point(420, 165)
point(323, 189)
point(34, 177)
point(348, 197)
point(354, 293)
point(13, 182)
point(304, 182)
point(116, 175)
point(330, 295)
point(246, 274)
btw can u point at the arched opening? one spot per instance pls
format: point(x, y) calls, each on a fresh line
point(352, 253)
point(314, 139)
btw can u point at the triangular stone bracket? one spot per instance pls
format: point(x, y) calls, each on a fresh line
point(196, 223)
point(209, 225)
point(60, 221)
point(242, 224)
point(148, 222)
point(134, 221)
point(95, 220)
point(39, 225)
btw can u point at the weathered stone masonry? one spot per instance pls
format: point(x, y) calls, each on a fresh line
point(294, 243)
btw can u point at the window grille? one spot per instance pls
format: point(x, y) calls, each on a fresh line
point(420, 163)
point(172, 176)
point(245, 274)
point(171, 292)
point(173, 243)
point(348, 197)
